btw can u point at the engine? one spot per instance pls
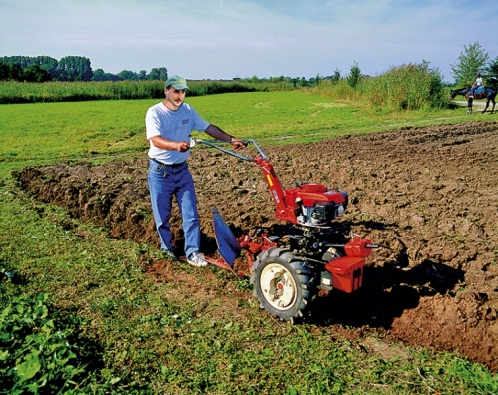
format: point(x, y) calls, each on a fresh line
point(315, 205)
point(321, 214)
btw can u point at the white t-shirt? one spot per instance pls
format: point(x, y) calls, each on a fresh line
point(172, 125)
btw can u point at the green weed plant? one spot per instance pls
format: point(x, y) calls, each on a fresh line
point(37, 355)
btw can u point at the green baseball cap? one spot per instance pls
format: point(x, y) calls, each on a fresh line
point(177, 82)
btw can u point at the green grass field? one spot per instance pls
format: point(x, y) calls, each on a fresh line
point(101, 326)
point(63, 131)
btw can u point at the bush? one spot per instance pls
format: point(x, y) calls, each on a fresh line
point(408, 87)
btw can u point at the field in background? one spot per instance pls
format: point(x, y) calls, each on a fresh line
point(406, 87)
point(63, 131)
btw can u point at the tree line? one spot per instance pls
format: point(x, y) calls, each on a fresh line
point(79, 69)
point(69, 68)
point(474, 59)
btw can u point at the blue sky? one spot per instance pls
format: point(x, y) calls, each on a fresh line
point(223, 39)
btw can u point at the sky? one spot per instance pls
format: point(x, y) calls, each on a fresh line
point(225, 39)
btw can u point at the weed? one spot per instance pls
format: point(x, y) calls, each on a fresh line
point(42, 352)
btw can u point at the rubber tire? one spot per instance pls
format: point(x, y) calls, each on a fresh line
point(296, 272)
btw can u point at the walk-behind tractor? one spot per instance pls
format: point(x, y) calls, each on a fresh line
point(313, 253)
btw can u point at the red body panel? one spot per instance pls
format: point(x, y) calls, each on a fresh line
point(347, 273)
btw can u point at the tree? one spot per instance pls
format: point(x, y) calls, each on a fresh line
point(142, 75)
point(69, 68)
point(435, 91)
point(354, 76)
point(336, 76)
point(493, 67)
point(45, 62)
point(4, 71)
point(128, 75)
point(75, 68)
point(492, 78)
point(31, 73)
point(100, 75)
point(23, 61)
point(158, 74)
point(471, 61)
point(10, 71)
point(35, 73)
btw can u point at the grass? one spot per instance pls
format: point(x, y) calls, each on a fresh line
point(65, 131)
point(150, 337)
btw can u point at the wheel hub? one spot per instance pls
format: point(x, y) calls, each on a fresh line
point(278, 286)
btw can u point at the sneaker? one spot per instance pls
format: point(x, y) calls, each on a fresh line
point(197, 259)
point(169, 255)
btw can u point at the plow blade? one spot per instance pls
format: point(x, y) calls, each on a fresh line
point(228, 246)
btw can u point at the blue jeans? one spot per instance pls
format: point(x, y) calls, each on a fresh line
point(164, 182)
point(473, 90)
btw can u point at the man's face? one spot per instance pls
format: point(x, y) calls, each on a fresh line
point(174, 98)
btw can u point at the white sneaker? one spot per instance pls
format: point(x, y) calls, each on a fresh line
point(197, 259)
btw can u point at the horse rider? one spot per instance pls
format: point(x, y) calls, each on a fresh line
point(477, 84)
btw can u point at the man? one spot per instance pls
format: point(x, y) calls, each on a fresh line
point(169, 125)
point(477, 84)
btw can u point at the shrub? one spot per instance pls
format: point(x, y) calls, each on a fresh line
point(408, 87)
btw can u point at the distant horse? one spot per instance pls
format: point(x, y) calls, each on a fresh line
point(488, 93)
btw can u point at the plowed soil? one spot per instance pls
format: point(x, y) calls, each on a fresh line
point(428, 196)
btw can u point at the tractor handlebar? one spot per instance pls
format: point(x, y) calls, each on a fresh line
point(214, 144)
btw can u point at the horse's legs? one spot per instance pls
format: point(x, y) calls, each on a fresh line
point(469, 106)
point(485, 108)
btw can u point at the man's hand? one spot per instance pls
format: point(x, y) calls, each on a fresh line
point(182, 146)
point(238, 144)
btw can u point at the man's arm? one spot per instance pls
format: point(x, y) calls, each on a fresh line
point(218, 134)
point(161, 142)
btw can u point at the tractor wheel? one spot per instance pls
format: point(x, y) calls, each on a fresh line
point(282, 283)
